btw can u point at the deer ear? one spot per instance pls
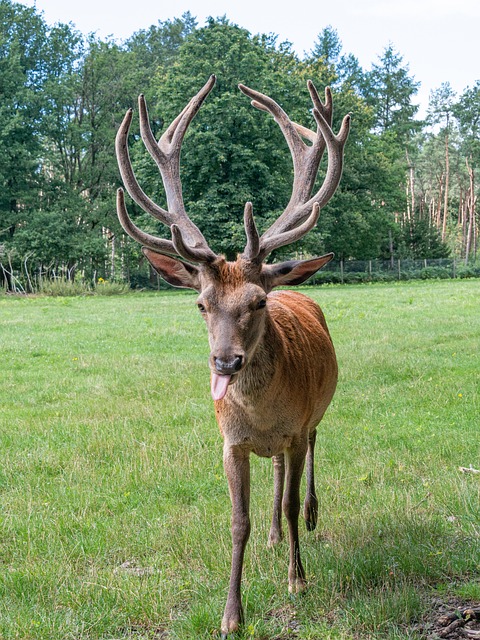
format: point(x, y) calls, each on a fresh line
point(175, 272)
point(294, 271)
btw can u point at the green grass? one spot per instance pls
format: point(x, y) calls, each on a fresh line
point(114, 511)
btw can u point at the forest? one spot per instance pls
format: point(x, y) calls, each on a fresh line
point(408, 190)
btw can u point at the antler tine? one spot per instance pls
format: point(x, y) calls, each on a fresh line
point(335, 145)
point(265, 103)
point(176, 131)
point(325, 108)
point(267, 245)
point(166, 154)
point(252, 248)
point(297, 218)
point(193, 254)
point(128, 176)
point(152, 242)
point(188, 241)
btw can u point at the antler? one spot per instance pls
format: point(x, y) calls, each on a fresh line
point(302, 211)
point(187, 240)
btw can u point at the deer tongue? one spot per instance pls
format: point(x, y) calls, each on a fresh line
point(219, 386)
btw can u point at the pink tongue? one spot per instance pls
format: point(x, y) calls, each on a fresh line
point(219, 386)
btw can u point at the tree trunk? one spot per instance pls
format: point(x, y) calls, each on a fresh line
point(438, 213)
point(447, 179)
point(390, 244)
point(471, 212)
point(411, 188)
point(112, 269)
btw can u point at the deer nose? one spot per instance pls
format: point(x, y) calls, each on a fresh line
point(228, 367)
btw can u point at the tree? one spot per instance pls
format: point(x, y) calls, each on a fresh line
point(328, 46)
point(440, 112)
point(467, 114)
point(232, 153)
point(22, 72)
point(22, 68)
point(338, 69)
point(157, 47)
point(389, 89)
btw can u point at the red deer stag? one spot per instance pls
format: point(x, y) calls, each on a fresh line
point(273, 365)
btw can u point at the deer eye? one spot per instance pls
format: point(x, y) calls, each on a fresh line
point(261, 304)
point(201, 307)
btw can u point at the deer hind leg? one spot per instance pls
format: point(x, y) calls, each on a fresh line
point(295, 459)
point(276, 535)
point(237, 469)
point(310, 506)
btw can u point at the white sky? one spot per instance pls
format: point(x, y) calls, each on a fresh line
point(438, 39)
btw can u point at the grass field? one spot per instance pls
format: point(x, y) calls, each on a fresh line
point(114, 511)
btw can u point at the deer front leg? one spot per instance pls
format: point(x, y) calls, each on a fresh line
point(275, 534)
point(310, 506)
point(236, 462)
point(295, 459)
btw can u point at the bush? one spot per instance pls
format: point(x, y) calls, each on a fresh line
point(429, 273)
point(468, 271)
point(64, 287)
point(106, 288)
point(359, 272)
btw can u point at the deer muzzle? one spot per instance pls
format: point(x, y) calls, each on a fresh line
point(228, 366)
point(225, 370)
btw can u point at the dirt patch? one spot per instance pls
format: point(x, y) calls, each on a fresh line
point(287, 616)
point(453, 619)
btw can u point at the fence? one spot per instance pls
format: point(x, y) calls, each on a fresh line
point(350, 271)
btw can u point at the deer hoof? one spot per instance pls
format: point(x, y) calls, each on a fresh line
point(232, 619)
point(297, 586)
point(232, 629)
point(274, 538)
point(311, 524)
point(310, 512)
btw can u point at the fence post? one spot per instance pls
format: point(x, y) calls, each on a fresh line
point(341, 269)
point(454, 268)
point(399, 270)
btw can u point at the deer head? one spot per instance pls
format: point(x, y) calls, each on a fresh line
point(233, 295)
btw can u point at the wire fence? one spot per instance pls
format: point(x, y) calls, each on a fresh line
point(351, 271)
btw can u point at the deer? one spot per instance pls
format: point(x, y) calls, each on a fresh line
point(272, 363)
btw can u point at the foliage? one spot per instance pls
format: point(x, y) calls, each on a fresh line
point(233, 153)
point(157, 47)
point(361, 271)
point(22, 71)
point(64, 287)
point(389, 90)
point(63, 96)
